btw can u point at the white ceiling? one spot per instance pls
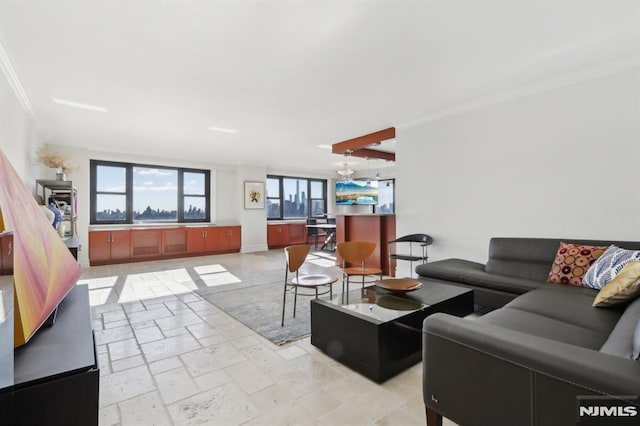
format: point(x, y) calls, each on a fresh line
point(288, 74)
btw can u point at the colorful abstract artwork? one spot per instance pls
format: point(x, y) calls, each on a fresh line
point(44, 270)
point(254, 195)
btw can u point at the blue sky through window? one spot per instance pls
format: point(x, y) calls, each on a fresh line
point(155, 188)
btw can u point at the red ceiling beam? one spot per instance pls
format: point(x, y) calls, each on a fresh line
point(374, 153)
point(362, 143)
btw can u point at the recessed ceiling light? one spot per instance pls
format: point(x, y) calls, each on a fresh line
point(222, 129)
point(80, 105)
point(324, 146)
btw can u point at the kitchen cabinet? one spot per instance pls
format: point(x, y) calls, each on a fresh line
point(137, 244)
point(297, 233)
point(286, 234)
point(6, 253)
point(228, 239)
point(109, 246)
point(201, 240)
point(146, 242)
point(174, 241)
point(278, 235)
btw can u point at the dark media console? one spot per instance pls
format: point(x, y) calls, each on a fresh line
point(56, 375)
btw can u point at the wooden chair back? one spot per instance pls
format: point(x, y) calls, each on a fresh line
point(295, 256)
point(356, 251)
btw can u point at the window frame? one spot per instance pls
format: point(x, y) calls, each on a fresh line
point(323, 182)
point(393, 183)
point(182, 196)
point(279, 197)
point(129, 167)
point(281, 179)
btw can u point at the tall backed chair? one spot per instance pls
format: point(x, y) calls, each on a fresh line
point(356, 253)
point(295, 257)
point(314, 232)
point(422, 240)
point(330, 241)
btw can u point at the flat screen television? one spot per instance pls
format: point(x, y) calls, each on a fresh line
point(357, 192)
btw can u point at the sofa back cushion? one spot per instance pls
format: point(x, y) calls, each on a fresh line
point(531, 258)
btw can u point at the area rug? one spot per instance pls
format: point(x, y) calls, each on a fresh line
point(256, 300)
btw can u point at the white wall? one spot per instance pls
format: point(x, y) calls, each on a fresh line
point(560, 163)
point(19, 137)
point(254, 222)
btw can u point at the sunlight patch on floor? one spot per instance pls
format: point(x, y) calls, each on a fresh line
point(326, 260)
point(214, 275)
point(209, 269)
point(325, 263)
point(220, 278)
point(139, 286)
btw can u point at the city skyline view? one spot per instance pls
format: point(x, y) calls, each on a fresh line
point(155, 194)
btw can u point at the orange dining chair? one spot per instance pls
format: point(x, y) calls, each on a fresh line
point(295, 256)
point(356, 253)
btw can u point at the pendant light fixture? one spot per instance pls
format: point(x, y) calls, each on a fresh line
point(346, 172)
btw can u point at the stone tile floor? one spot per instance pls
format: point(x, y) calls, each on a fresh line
point(169, 357)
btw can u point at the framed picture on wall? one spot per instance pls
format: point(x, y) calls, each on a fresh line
point(253, 195)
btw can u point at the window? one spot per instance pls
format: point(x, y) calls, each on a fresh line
point(386, 196)
point(273, 198)
point(195, 200)
point(110, 193)
point(318, 196)
point(295, 198)
point(127, 193)
point(155, 194)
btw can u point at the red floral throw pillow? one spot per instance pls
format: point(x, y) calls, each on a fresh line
point(572, 262)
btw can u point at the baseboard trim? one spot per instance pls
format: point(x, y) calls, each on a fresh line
point(253, 248)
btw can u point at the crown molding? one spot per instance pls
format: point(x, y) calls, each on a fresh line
point(610, 68)
point(12, 77)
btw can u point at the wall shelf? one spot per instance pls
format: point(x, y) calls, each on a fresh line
point(64, 195)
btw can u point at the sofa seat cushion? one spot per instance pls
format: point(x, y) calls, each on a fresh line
point(621, 339)
point(568, 304)
point(542, 326)
point(473, 273)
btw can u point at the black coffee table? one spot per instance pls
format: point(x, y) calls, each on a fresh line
point(379, 333)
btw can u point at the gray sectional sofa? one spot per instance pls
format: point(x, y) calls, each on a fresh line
point(528, 361)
